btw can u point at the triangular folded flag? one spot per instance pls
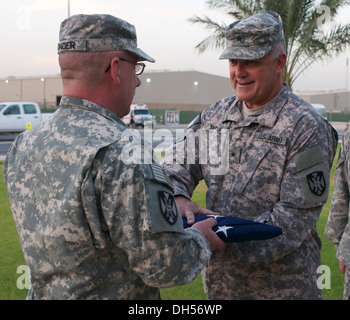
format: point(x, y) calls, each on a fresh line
point(231, 229)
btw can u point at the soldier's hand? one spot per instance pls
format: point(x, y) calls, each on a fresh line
point(342, 267)
point(188, 209)
point(206, 227)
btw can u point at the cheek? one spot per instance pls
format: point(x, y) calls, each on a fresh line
point(232, 71)
point(232, 77)
point(268, 78)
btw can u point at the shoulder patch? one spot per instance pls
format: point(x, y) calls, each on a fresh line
point(317, 182)
point(313, 175)
point(168, 206)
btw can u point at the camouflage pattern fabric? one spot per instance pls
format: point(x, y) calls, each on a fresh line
point(89, 212)
point(338, 225)
point(346, 294)
point(252, 38)
point(278, 163)
point(99, 32)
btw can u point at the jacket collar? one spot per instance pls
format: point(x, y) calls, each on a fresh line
point(267, 116)
point(80, 103)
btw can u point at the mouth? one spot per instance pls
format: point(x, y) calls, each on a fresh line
point(244, 84)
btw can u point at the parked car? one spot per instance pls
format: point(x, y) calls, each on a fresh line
point(141, 115)
point(20, 116)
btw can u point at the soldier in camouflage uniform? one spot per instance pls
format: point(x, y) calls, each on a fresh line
point(274, 168)
point(338, 224)
point(94, 219)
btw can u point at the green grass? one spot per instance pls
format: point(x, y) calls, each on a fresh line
point(11, 254)
point(328, 252)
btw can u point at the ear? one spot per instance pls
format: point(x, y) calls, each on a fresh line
point(115, 71)
point(281, 62)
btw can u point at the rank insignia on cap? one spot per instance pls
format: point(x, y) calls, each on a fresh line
point(168, 206)
point(317, 182)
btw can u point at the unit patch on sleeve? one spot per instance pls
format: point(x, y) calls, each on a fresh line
point(317, 183)
point(168, 206)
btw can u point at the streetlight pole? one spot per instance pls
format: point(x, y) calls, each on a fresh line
point(68, 8)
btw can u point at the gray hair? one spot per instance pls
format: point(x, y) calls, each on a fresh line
point(277, 48)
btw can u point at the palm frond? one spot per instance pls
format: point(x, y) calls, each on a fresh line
point(215, 41)
point(306, 42)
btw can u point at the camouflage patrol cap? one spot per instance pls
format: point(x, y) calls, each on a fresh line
point(252, 38)
point(99, 32)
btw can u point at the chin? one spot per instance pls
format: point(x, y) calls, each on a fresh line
point(243, 97)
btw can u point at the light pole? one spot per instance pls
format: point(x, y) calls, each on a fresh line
point(44, 93)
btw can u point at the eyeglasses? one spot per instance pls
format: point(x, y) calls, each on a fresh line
point(139, 66)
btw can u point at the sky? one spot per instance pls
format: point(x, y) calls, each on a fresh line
point(29, 36)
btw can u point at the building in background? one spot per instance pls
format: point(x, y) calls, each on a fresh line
point(334, 100)
point(182, 90)
point(45, 90)
point(186, 92)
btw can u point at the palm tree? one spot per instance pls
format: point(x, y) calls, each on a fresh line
point(310, 29)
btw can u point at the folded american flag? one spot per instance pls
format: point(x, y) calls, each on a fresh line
point(231, 229)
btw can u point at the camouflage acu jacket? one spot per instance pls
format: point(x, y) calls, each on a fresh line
point(338, 224)
point(271, 167)
point(94, 221)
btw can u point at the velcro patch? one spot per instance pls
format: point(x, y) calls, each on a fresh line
point(155, 172)
point(270, 138)
point(235, 154)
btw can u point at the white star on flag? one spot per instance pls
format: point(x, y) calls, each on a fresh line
point(214, 216)
point(224, 229)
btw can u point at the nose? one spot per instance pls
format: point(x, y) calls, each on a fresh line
point(240, 69)
point(138, 81)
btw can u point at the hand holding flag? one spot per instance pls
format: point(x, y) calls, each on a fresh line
point(206, 227)
point(189, 209)
point(231, 229)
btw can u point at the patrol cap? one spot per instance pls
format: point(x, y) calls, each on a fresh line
point(252, 38)
point(99, 32)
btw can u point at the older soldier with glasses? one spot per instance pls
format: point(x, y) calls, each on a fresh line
point(92, 226)
point(280, 152)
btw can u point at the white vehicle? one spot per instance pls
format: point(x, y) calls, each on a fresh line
point(140, 114)
point(20, 116)
point(321, 109)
